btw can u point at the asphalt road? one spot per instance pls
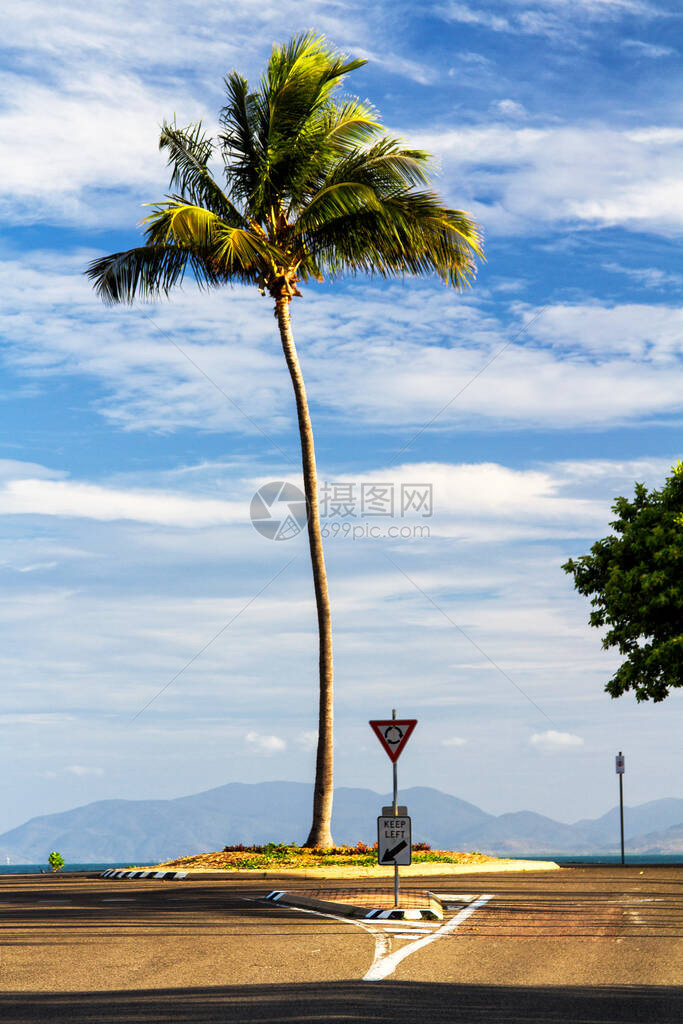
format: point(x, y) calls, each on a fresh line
point(585, 945)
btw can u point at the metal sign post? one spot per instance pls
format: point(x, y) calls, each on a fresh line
point(393, 734)
point(395, 809)
point(620, 769)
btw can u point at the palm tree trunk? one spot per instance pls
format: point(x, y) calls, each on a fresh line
point(320, 834)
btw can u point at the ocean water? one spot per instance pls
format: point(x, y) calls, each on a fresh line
point(35, 869)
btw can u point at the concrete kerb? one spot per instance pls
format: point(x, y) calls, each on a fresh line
point(434, 912)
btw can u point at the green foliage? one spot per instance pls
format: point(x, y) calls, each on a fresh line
point(291, 855)
point(635, 582)
point(56, 861)
point(313, 186)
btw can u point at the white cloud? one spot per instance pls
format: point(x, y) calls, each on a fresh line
point(12, 468)
point(424, 74)
point(481, 502)
point(83, 770)
point(643, 332)
point(470, 57)
point(570, 175)
point(642, 49)
point(569, 20)
point(579, 364)
point(80, 151)
point(510, 108)
point(38, 566)
point(470, 16)
point(555, 741)
point(454, 741)
point(266, 745)
point(66, 498)
point(647, 277)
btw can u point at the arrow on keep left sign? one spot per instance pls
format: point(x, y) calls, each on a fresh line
point(390, 855)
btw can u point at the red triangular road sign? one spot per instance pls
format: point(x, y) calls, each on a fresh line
point(393, 734)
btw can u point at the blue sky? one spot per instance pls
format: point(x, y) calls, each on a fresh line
point(126, 474)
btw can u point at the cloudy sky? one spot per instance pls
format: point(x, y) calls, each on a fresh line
point(154, 643)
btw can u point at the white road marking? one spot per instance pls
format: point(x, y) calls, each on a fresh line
point(382, 940)
point(385, 964)
point(118, 899)
point(460, 897)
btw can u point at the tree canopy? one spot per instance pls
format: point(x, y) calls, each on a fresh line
point(314, 186)
point(635, 581)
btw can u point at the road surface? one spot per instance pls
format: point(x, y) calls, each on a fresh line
point(581, 945)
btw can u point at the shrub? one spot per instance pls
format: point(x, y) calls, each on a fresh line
point(56, 861)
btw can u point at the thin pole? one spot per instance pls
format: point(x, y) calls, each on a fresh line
point(393, 715)
point(621, 811)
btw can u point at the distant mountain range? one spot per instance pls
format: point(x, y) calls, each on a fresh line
point(153, 830)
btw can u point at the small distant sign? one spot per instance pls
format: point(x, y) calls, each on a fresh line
point(620, 764)
point(394, 840)
point(393, 734)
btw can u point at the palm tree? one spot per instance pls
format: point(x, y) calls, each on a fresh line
point(313, 186)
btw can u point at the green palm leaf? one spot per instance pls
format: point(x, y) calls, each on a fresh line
point(189, 151)
point(145, 272)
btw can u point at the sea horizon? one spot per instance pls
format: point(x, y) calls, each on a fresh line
point(563, 859)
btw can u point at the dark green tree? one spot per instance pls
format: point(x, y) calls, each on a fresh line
point(313, 186)
point(634, 579)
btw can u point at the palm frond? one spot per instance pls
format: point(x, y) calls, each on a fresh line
point(183, 224)
point(237, 248)
point(271, 135)
point(145, 272)
point(366, 177)
point(227, 247)
point(189, 151)
point(410, 234)
point(348, 125)
point(337, 130)
point(243, 159)
point(301, 76)
point(387, 166)
point(337, 200)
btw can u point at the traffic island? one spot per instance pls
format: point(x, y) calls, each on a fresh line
point(199, 873)
point(416, 906)
point(281, 860)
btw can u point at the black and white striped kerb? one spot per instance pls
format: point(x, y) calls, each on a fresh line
point(116, 873)
point(409, 914)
